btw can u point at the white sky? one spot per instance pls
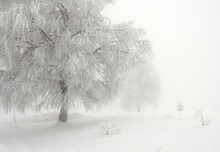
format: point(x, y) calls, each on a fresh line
point(185, 35)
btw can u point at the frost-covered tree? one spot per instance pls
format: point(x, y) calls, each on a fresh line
point(140, 88)
point(60, 54)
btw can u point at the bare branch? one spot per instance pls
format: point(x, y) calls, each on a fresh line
point(78, 32)
point(96, 50)
point(45, 34)
point(43, 102)
point(32, 45)
point(64, 13)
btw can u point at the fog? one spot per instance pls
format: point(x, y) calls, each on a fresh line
point(185, 36)
point(65, 60)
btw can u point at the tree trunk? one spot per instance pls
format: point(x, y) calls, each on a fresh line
point(63, 115)
point(64, 107)
point(139, 108)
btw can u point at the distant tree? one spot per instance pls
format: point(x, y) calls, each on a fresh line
point(140, 88)
point(58, 54)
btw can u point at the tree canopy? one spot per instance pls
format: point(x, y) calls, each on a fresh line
point(64, 54)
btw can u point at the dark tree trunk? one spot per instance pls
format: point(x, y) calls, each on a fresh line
point(63, 115)
point(64, 108)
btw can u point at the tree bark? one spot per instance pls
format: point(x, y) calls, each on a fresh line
point(63, 114)
point(64, 107)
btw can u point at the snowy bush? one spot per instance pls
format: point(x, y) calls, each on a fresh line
point(180, 107)
point(110, 129)
point(200, 117)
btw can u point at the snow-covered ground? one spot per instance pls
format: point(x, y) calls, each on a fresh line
point(136, 132)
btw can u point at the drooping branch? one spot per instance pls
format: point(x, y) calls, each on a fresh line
point(39, 106)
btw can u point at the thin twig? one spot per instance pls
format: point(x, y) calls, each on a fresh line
point(44, 33)
point(43, 102)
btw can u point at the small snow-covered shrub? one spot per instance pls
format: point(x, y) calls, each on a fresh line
point(180, 107)
point(200, 117)
point(110, 129)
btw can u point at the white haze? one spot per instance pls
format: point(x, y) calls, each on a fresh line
point(186, 43)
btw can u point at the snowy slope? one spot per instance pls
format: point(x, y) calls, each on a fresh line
point(144, 132)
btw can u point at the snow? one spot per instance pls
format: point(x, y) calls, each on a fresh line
point(154, 131)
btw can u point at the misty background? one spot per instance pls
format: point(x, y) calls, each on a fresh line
point(182, 81)
point(185, 38)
